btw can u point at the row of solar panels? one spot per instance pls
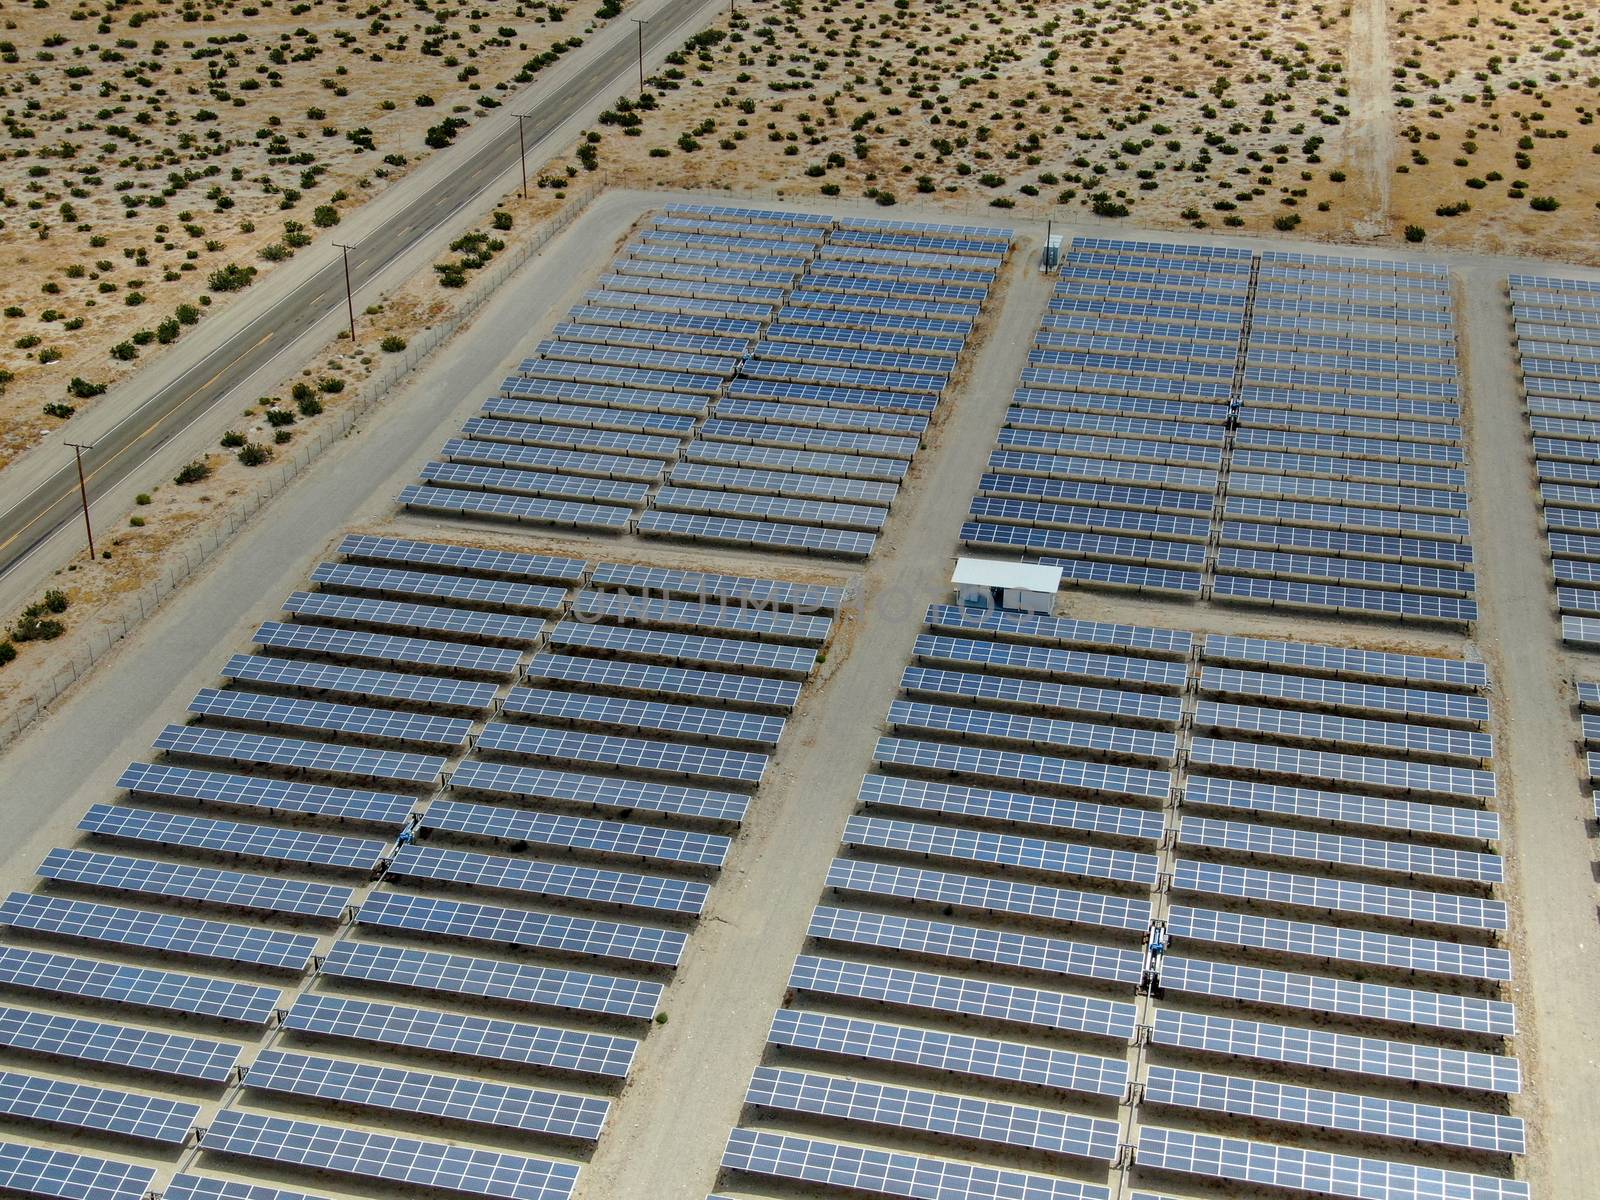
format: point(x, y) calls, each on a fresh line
point(987, 897)
point(1555, 323)
point(530, 905)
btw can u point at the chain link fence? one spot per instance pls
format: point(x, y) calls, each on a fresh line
point(182, 562)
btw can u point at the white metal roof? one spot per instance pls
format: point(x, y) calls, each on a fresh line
point(996, 573)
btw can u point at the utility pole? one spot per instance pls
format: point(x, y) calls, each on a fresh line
point(522, 152)
point(639, 21)
point(349, 292)
point(83, 491)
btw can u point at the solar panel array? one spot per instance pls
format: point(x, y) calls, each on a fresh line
point(980, 933)
point(1178, 431)
point(452, 823)
point(735, 377)
point(1110, 455)
point(1556, 336)
point(1269, 865)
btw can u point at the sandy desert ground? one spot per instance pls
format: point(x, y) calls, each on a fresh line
point(149, 158)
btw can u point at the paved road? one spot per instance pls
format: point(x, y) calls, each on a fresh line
point(146, 428)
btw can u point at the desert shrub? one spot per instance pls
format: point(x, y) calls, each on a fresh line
point(309, 407)
point(83, 389)
point(193, 472)
point(233, 438)
point(254, 454)
point(1415, 233)
point(277, 417)
point(57, 409)
point(230, 278)
point(392, 344)
point(1544, 204)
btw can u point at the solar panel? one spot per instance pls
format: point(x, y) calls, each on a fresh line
point(1033, 694)
point(95, 1109)
point(888, 1173)
point(1391, 547)
point(596, 416)
point(735, 531)
point(203, 885)
point(229, 837)
point(1303, 938)
point(611, 712)
point(1319, 728)
point(1279, 888)
point(423, 653)
point(1345, 997)
point(386, 1157)
point(704, 586)
point(1366, 854)
point(59, 1175)
point(1336, 661)
point(784, 483)
point(967, 1118)
point(162, 932)
point(558, 880)
point(1006, 851)
point(557, 932)
point(985, 895)
point(226, 745)
point(492, 979)
point(1452, 707)
point(632, 754)
point(1341, 1052)
point(272, 795)
point(627, 443)
point(471, 559)
point(987, 804)
point(287, 712)
point(602, 674)
point(966, 944)
point(324, 678)
point(199, 1187)
point(391, 614)
point(1060, 664)
point(1061, 631)
point(459, 502)
point(782, 458)
point(761, 657)
point(461, 589)
point(605, 791)
point(681, 614)
point(63, 1038)
point(626, 839)
point(1087, 545)
point(1343, 1112)
point(1382, 773)
point(774, 508)
point(438, 1097)
point(858, 1039)
point(1313, 1172)
point(114, 983)
point(1012, 767)
point(485, 1038)
point(989, 724)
